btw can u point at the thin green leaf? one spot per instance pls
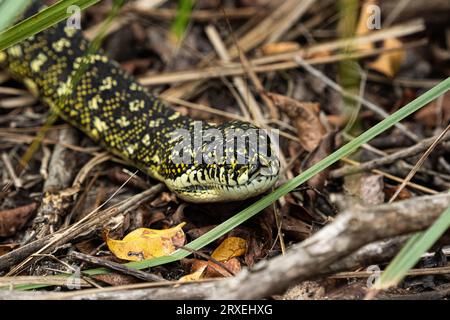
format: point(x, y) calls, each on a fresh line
point(181, 21)
point(261, 204)
point(412, 251)
point(40, 21)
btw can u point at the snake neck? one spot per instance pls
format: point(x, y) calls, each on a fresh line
point(94, 94)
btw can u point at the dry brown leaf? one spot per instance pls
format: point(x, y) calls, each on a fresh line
point(324, 149)
point(13, 220)
point(437, 110)
point(279, 47)
point(295, 228)
point(338, 121)
point(146, 243)
point(116, 279)
point(306, 119)
point(389, 63)
point(192, 276)
point(214, 270)
point(8, 247)
point(404, 194)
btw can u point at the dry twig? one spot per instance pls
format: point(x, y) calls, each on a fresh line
point(402, 154)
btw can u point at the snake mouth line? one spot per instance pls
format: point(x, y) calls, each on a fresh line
point(217, 192)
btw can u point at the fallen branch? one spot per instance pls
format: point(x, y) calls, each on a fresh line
point(154, 291)
point(116, 267)
point(370, 254)
point(349, 231)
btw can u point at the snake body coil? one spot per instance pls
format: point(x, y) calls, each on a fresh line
point(114, 110)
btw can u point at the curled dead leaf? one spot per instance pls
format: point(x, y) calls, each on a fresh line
point(306, 119)
point(13, 220)
point(324, 148)
point(144, 243)
point(389, 63)
point(214, 270)
point(231, 247)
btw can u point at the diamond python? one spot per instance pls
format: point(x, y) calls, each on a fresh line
point(115, 111)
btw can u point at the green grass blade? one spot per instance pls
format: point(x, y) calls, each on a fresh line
point(261, 204)
point(40, 21)
point(11, 10)
point(412, 251)
point(181, 21)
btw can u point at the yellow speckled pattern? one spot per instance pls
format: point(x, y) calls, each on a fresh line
point(117, 112)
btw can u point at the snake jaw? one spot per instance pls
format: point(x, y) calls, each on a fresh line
point(255, 180)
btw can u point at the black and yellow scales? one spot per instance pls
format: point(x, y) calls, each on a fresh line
point(114, 110)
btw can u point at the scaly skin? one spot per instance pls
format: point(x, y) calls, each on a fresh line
point(115, 111)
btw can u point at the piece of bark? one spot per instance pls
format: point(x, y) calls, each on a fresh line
point(56, 199)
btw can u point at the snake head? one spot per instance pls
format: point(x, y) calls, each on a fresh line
point(233, 161)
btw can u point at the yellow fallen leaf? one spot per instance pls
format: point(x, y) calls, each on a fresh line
point(144, 243)
point(231, 247)
point(226, 252)
point(197, 271)
point(197, 275)
point(388, 63)
point(362, 27)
